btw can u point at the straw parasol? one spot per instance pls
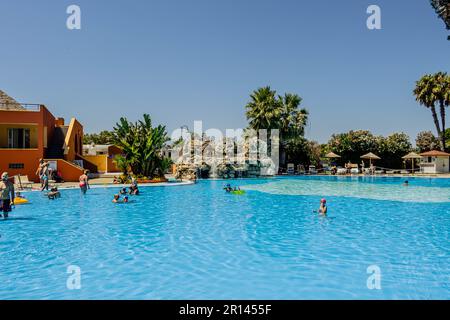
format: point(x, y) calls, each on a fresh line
point(332, 155)
point(411, 156)
point(8, 103)
point(370, 156)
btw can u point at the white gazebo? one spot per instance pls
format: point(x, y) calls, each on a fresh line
point(434, 161)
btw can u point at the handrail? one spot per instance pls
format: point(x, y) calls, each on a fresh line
point(26, 106)
point(69, 163)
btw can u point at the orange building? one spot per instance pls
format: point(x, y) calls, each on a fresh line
point(103, 157)
point(29, 132)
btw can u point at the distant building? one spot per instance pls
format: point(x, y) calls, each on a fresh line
point(29, 132)
point(435, 162)
point(102, 156)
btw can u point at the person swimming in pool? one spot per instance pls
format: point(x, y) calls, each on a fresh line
point(54, 193)
point(134, 190)
point(123, 191)
point(116, 198)
point(323, 209)
point(406, 183)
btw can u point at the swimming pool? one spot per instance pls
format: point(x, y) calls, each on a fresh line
point(197, 242)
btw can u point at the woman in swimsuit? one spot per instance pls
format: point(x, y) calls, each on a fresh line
point(84, 184)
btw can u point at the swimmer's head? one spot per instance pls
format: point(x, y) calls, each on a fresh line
point(323, 201)
point(116, 197)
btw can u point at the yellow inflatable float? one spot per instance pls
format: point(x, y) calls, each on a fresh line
point(20, 200)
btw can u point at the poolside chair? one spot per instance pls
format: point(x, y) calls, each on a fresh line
point(354, 168)
point(290, 169)
point(312, 170)
point(341, 171)
point(301, 169)
point(22, 182)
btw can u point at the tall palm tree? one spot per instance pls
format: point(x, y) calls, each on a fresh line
point(292, 122)
point(429, 91)
point(263, 110)
point(442, 92)
point(442, 8)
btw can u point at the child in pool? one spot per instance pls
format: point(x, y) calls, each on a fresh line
point(116, 198)
point(323, 209)
point(54, 193)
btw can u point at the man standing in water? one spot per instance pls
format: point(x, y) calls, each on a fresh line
point(6, 194)
point(84, 184)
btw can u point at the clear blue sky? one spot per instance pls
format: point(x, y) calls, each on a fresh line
point(182, 61)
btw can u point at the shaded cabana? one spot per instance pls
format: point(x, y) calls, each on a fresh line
point(412, 156)
point(435, 161)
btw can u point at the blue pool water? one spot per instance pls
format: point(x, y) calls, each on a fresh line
point(196, 242)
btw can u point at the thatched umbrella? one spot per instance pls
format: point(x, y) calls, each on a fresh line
point(332, 155)
point(370, 156)
point(8, 103)
point(411, 156)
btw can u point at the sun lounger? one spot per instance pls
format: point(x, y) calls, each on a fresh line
point(312, 170)
point(290, 169)
point(354, 171)
point(22, 182)
point(341, 171)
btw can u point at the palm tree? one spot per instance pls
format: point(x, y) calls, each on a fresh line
point(442, 8)
point(442, 92)
point(292, 122)
point(433, 89)
point(263, 111)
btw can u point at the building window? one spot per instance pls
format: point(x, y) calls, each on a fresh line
point(16, 166)
point(18, 138)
